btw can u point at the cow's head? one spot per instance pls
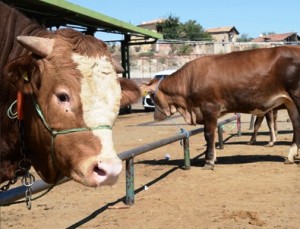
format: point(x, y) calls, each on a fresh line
point(72, 79)
point(162, 101)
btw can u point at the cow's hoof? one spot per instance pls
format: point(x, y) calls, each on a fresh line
point(269, 145)
point(208, 166)
point(251, 143)
point(288, 162)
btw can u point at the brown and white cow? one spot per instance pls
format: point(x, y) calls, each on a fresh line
point(72, 96)
point(246, 82)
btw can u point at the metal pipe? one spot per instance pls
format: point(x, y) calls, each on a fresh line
point(18, 192)
point(154, 145)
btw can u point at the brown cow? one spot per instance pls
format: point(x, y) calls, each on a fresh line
point(71, 98)
point(244, 82)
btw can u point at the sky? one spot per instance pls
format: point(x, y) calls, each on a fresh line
point(249, 17)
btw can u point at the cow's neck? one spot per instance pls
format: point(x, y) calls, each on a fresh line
point(176, 90)
point(173, 86)
point(12, 24)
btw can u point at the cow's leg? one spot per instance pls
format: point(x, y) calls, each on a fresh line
point(257, 124)
point(271, 123)
point(275, 115)
point(294, 114)
point(209, 134)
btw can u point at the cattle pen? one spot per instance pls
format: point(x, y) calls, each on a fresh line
point(10, 196)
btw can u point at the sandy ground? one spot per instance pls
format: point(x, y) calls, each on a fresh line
point(249, 188)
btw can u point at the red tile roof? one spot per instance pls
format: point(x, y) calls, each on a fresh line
point(273, 37)
point(222, 29)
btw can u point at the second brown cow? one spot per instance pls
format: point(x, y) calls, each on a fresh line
point(209, 87)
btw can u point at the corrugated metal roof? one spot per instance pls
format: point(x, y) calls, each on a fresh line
point(63, 13)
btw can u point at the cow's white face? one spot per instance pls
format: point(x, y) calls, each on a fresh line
point(100, 90)
point(100, 97)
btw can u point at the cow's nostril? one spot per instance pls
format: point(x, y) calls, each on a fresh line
point(99, 171)
point(104, 173)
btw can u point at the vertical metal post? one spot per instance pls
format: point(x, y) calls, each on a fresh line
point(186, 151)
point(125, 56)
point(220, 134)
point(239, 125)
point(129, 181)
point(126, 65)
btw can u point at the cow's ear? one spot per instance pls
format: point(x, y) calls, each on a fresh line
point(24, 73)
point(130, 92)
point(148, 87)
point(117, 66)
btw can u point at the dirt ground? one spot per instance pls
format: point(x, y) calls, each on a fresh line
point(250, 187)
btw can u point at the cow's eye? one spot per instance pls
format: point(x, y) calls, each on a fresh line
point(63, 97)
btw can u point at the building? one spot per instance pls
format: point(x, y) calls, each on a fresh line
point(284, 37)
point(151, 25)
point(224, 34)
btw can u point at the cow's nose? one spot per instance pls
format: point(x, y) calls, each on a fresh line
point(107, 170)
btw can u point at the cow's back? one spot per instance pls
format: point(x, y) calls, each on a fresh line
point(238, 77)
point(12, 24)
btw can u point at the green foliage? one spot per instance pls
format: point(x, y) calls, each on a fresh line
point(184, 49)
point(169, 27)
point(162, 60)
point(244, 38)
point(180, 49)
point(147, 54)
point(137, 48)
point(193, 31)
point(172, 28)
point(173, 48)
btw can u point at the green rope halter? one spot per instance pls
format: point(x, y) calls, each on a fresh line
point(54, 133)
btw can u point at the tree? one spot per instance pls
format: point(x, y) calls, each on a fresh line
point(172, 28)
point(244, 38)
point(169, 27)
point(193, 31)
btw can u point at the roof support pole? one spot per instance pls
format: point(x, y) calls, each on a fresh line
point(126, 65)
point(125, 56)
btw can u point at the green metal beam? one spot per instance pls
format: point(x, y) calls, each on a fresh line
point(95, 16)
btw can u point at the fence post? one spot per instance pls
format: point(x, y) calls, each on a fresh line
point(239, 124)
point(186, 151)
point(129, 181)
point(220, 134)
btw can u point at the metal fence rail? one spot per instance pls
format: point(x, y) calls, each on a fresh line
point(18, 192)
